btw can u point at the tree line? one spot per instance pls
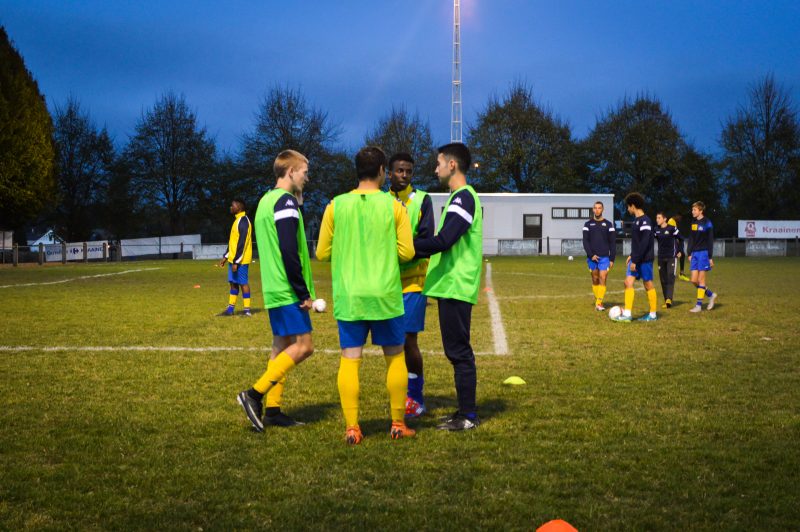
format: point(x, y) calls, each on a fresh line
point(170, 178)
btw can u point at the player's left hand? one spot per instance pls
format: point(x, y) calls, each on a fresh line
point(234, 267)
point(307, 304)
point(711, 262)
point(610, 264)
point(633, 266)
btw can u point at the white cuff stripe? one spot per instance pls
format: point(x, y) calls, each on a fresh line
point(585, 228)
point(287, 213)
point(645, 228)
point(612, 230)
point(461, 212)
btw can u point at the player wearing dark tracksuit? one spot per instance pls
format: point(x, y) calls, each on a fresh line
point(670, 247)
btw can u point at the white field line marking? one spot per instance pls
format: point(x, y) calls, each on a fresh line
point(565, 296)
point(82, 277)
point(498, 331)
point(174, 349)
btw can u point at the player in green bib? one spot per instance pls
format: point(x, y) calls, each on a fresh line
point(366, 234)
point(412, 274)
point(287, 286)
point(454, 277)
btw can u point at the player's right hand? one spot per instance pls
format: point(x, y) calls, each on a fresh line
point(306, 305)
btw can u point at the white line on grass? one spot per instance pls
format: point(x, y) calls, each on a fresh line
point(82, 277)
point(565, 296)
point(498, 331)
point(173, 349)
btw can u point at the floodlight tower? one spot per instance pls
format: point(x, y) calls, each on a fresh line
point(455, 112)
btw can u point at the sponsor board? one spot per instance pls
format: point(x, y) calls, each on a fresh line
point(774, 229)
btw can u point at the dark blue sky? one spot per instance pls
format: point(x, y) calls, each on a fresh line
point(355, 59)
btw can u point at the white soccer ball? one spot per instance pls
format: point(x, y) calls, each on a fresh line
point(615, 312)
point(570, 258)
point(319, 305)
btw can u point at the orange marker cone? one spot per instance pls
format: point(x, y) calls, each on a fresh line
point(557, 525)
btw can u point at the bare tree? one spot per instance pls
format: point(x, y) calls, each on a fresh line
point(84, 156)
point(169, 158)
point(762, 153)
point(400, 131)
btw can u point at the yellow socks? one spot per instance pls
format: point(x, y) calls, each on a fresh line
point(234, 294)
point(275, 394)
point(397, 384)
point(651, 298)
point(246, 300)
point(601, 293)
point(629, 299)
point(277, 368)
point(595, 291)
point(349, 388)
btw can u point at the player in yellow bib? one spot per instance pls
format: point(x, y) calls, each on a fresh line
point(366, 235)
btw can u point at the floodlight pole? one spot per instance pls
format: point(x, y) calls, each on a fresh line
point(455, 114)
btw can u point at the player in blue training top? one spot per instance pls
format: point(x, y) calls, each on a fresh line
point(670, 248)
point(600, 244)
point(701, 252)
point(640, 261)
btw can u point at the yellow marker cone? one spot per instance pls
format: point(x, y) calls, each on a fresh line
point(514, 380)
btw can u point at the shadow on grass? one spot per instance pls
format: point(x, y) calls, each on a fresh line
point(312, 413)
point(438, 407)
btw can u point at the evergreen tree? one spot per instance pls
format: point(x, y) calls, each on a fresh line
point(27, 179)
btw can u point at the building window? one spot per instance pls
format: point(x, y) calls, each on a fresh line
point(571, 213)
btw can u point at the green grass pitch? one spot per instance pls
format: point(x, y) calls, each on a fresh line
point(688, 423)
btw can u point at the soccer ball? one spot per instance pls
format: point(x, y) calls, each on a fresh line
point(319, 305)
point(570, 258)
point(615, 312)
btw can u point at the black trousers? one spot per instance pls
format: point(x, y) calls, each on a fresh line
point(666, 272)
point(455, 318)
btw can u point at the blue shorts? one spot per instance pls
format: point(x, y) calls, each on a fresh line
point(384, 332)
point(700, 261)
point(602, 264)
point(289, 320)
point(414, 304)
point(240, 276)
point(644, 271)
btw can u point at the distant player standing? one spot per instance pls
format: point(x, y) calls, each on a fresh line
point(600, 244)
point(238, 258)
point(674, 221)
point(640, 261)
point(670, 247)
point(287, 286)
point(454, 277)
point(366, 234)
point(412, 274)
point(701, 251)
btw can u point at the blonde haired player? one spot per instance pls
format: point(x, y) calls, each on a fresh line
point(287, 285)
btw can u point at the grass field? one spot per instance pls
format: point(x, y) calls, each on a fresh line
point(110, 421)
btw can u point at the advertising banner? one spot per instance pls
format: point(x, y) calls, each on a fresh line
point(94, 250)
point(774, 229)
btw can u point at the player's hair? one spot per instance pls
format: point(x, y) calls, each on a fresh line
point(700, 205)
point(399, 156)
point(241, 203)
point(369, 161)
point(662, 213)
point(599, 203)
point(459, 153)
point(635, 199)
point(285, 160)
